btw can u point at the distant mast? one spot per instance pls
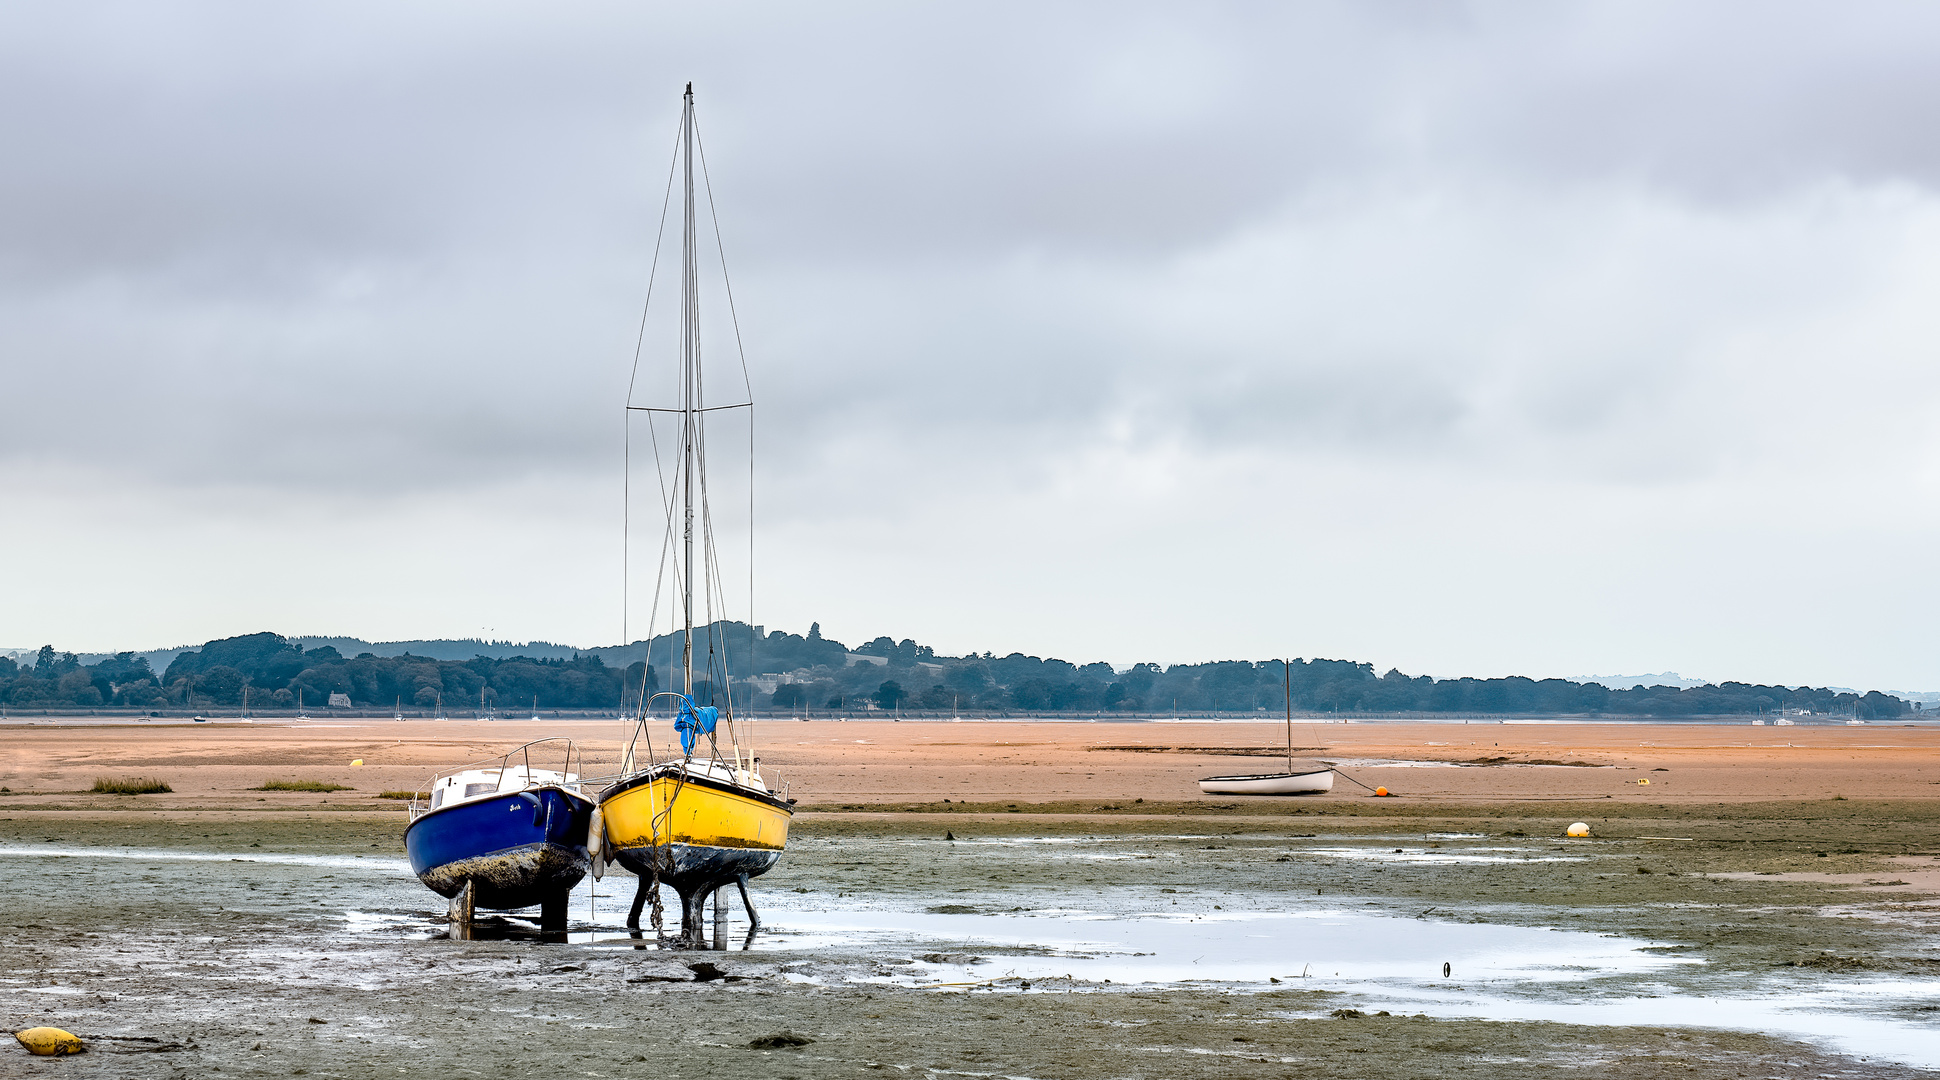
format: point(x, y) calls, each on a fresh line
point(1286, 667)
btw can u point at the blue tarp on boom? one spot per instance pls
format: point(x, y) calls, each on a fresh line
point(693, 722)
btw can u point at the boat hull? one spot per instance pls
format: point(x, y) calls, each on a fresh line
point(705, 832)
point(517, 849)
point(1311, 782)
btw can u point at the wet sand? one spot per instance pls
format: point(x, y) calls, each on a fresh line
point(316, 954)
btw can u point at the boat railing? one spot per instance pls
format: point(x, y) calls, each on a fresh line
point(572, 766)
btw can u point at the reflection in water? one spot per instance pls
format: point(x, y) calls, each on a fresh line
point(502, 927)
point(676, 943)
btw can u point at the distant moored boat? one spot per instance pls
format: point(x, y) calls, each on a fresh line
point(1300, 777)
point(1296, 781)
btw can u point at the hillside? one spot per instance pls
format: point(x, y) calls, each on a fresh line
point(776, 670)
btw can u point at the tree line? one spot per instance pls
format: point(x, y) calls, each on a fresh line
point(918, 680)
point(810, 672)
point(276, 672)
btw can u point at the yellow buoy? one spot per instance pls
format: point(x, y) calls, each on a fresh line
point(48, 1041)
point(1645, 780)
point(1579, 829)
point(359, 761)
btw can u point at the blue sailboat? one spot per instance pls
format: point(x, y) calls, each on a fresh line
point(504, 834)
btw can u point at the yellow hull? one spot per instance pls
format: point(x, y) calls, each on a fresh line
point(707, 832)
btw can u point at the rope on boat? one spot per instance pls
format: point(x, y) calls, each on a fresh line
point(661, 850)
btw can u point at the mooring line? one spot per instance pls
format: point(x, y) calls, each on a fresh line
point(1342, 773)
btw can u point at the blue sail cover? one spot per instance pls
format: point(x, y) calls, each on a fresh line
point(692, 722)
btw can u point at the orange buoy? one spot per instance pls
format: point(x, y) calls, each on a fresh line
point(1381, 792)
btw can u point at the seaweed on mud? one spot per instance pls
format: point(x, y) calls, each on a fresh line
point(1833, 962)
point(136, 1044)
point(780, 1040)
point(1036, 950)
point(140, 785)
point(1506, 760)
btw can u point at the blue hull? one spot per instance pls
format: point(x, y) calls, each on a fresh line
point(517, 850)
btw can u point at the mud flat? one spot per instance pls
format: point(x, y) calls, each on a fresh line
point(1043, 923)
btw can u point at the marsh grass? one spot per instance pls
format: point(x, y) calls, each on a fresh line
point(404, 795)
point(302, 785)
point(139, 785)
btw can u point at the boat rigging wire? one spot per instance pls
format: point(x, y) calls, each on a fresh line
point(747, 384)
point(633, 376)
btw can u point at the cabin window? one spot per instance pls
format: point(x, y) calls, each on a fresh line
point(437, 797)
point(479, 789)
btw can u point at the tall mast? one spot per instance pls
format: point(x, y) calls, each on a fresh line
point(689, 377)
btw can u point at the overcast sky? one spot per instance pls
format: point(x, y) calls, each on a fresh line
point(1467, 338)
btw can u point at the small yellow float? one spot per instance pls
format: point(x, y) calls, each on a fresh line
point(49, 1041)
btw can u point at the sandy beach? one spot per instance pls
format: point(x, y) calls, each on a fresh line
point(1038, 899)
point(827, 763)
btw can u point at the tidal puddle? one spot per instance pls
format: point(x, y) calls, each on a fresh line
point(387, 864)
point(1389, 763)
point(1148, 948)
point(1837, 1017)
point(1468, 855)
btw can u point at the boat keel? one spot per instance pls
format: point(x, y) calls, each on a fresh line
point(693, 905)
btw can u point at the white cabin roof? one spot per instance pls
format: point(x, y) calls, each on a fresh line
point(472, 784)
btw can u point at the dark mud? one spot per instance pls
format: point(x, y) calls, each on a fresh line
point(316, 954)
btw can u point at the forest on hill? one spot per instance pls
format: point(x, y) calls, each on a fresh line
point(802, 673)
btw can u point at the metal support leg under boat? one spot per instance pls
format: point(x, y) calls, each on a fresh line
point(552, 914)
point(460, 912)
point(642, 888)
point(720, 919)
point(690, 920)
point(754, 921)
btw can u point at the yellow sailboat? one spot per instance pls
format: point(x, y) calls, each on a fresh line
point(704, 819)
point(695, 824)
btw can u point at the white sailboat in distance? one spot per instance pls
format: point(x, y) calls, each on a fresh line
point(1300, 778)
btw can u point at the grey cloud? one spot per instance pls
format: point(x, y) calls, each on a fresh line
point(381, 247)
point(1487, 336)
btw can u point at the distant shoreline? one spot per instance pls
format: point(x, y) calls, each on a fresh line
point(176, 716)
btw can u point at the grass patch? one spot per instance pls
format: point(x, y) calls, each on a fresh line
point(301, 785)
point(140, 785)
point(404, 795)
